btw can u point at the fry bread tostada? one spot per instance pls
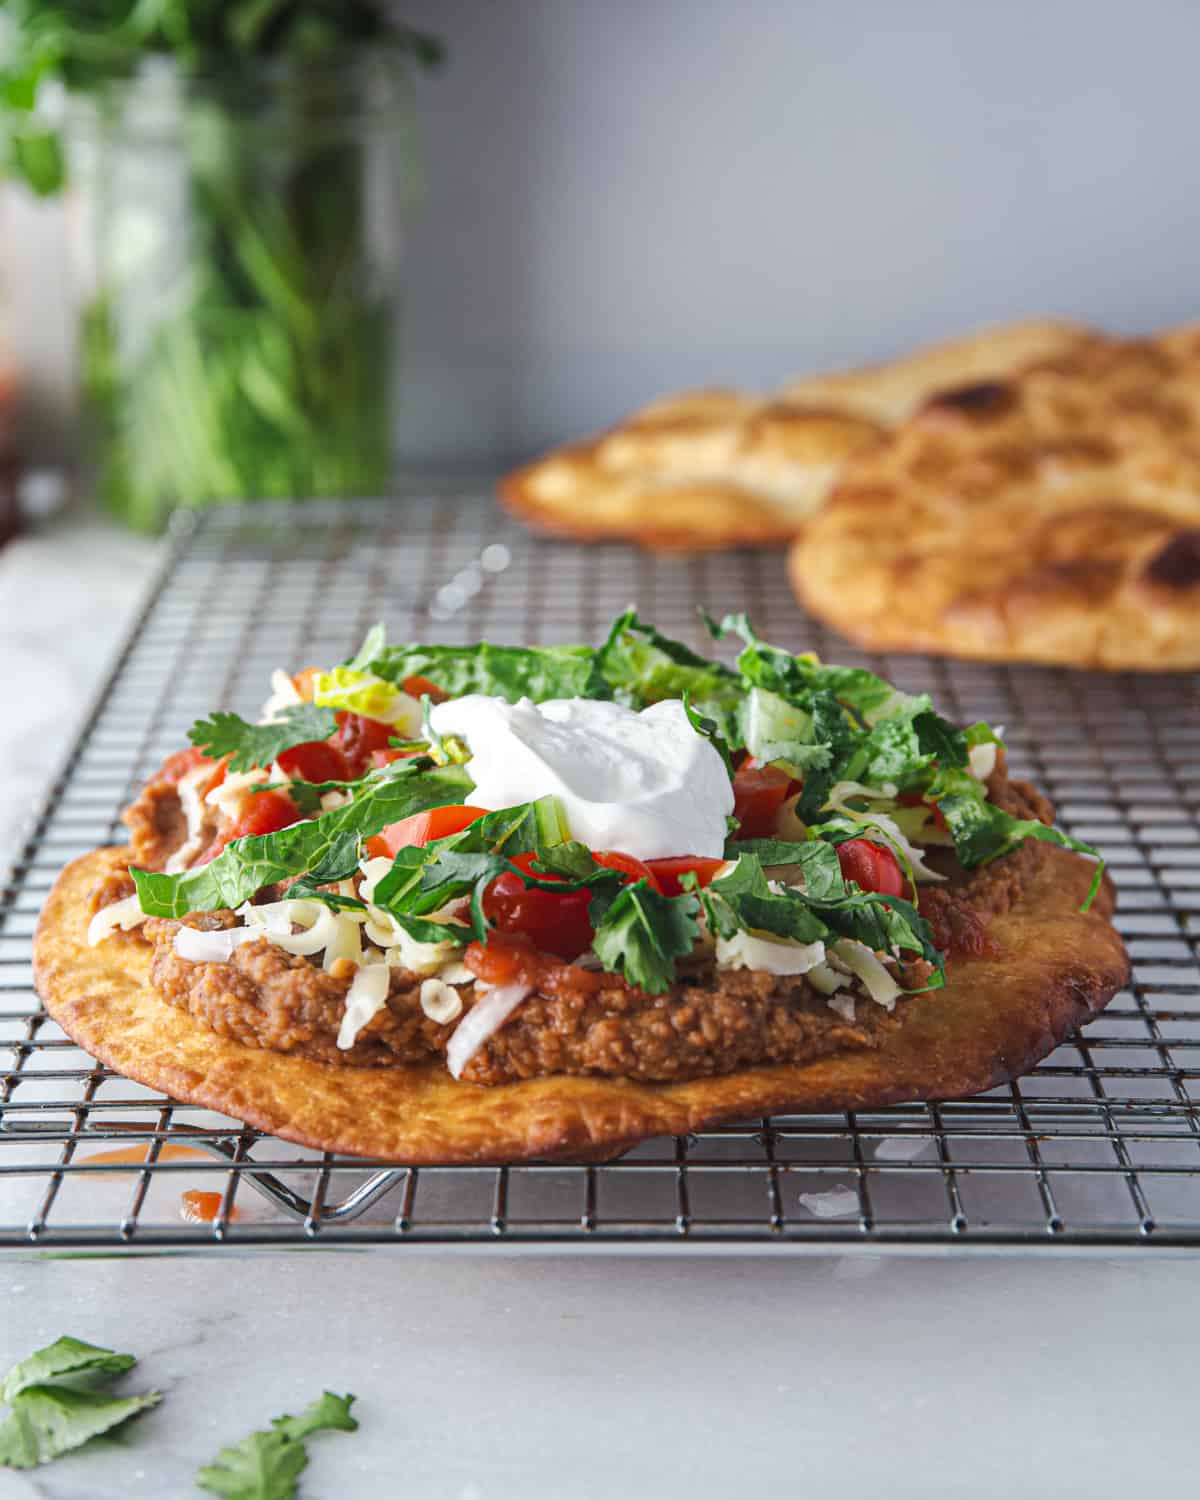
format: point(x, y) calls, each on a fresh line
point(1053, 516)
point(486, 904)
point(726, 468)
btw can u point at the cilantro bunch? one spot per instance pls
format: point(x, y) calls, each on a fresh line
point(86, 47)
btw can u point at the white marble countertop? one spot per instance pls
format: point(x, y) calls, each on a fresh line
point(485, 1377)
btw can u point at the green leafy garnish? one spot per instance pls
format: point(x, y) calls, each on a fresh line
point(267, 1464)
point(983, 832)
point(509, 672)
point(827, 908)
point(56, 1401)
point(424, 878)
point(642, 666)
point(325, 849)
point(640, 934)
point(251, 745)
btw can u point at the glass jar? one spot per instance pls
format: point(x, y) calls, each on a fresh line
point(237, 243)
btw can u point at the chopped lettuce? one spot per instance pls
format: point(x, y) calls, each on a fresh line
point(359, 691)
point(251, 745)
point(509, 672)
point(983, 832)
point(642, 666)
point(827, 908)
point(776, 731)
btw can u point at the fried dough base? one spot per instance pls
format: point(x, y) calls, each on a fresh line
point(994, 1020)
point(724, 468)
point(1051, 517)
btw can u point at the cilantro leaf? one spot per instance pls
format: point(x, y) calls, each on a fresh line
point(905, 748)
point(267, 1464)
point(251, 745)
point(510, 672)
point(742, 900)
point(326, 848)
point(640, 934)
point(818, 861)
point(55, 1404)
point(65, 1357)
point(47, 1421)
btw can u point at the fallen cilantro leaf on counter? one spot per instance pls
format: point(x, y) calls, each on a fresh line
point(252, 745)
point(54, 1405)
point(267, 1464)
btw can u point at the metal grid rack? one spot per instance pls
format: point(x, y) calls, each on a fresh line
point(1098, 1147)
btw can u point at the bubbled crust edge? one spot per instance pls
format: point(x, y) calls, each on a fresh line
point(995, 1019)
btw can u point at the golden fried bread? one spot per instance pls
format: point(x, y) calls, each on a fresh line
point(1053, 516)
point(1052, 968)
point(722, 468)
point(889, 393)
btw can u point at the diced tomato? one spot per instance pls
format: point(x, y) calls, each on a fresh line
point(635, 869)
point(667, 871)
point(553, 922)
point(357, 738)
point(184, 762)
point(506, 958)
point(915, 799)
point(262, 812)
point(179, 765)
point(315, 760)
point(871, 867)
point(218, 776)
point(423, 828)
point(416, 687)
point(758, 794)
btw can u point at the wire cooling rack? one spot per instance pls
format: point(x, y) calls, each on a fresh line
point(1097, 1147)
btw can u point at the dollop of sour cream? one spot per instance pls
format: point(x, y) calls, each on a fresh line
point(645, 783)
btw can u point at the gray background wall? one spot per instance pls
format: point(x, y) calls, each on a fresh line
point(627, 196)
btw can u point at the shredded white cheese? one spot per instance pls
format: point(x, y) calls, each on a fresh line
point(751, 950)
point(365, 998)
point(283, 695)
point(193, 810)
point(844, 1006)
point(125, 914)
point(440, 1001)
point(981, 760)
point(827, 979)
point(200, 947)
point(858, 959)
point(483, 1020)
